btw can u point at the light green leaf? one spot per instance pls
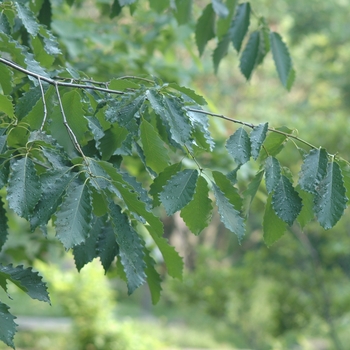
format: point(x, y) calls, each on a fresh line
point(286, 201)
point(223, 24)
point(126, 2)
point(313, 170)
point(74, 216)
point(220, 8)
point(282, 60)
point(272, 173)
point(173, 261)
point(205, 28)
point(6, 106)
point(250, 192)
point(3, 225)
point(28, 18)
point(183, 12)
point(179, 190)
point(161, 180)
point(130, 248)
point(27, 102)
point(107, 246)
point(153, 277)
point(257, 138)
point(240, 25)
point(307, 213)
point(197, 213)
point(238, 146)
point(190, 93)
point(249, 55)
point(273, 226)
point(345, 169)
point(6, 79)
point(264, 41)
point(7, 325)
point(230, 217)
point(221, 50)
point(24, 190)
point(153, 147)
point(330, 199)
point(122, 84)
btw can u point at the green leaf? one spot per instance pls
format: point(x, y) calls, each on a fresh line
point(330, 199)
point(205, 28)
point(6, 106)
point(130, 248)
point(230, 217)
point(220, 9)
point(272, 173)
point(223, 24)
point(27, 102)
point(111, 141)
point(179, 190)
point(153, 277)
point(189, 93)
point(116, 9)
point(183, 12)
point(74, 216)
point(122, 84)
point(286, 201)
point(257, 138)
point(24, 190)
point(173, 261)
point(282, 60)
point(159, 6)
point(107, 246)
point(264, 41)
point(7, 325)
point(345, 169)
point(6, 78)
point(153, 147)
point(313, 170)
point(240, 25)
point(87, 251)
point(3, 225)
point(273, 226)
point(54, 185)
point(250, 192)
point(306, 214)
point(249, 55)
point(221, 50)
point(197, 213)
point(28, 18)
point(238, 146)
point(5, 26)
point(160, 181)
point(227, 188)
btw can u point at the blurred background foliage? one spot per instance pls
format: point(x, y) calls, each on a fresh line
point(293, 295)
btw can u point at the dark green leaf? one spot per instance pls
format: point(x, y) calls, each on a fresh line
point(306, 214)
point(197, 213)
point(3, 225)
point(205, 28)
point(249, 55)
point(230, 217)
point(112, 140)
point(286, 201)
point(313, 170)
point(183, 12)
point(74, 216)
point(7, 325)
point(153, 277)
point(282, 60)
point(28, 18)
point(240, 25)
point(250, 192)
point(4, 24)
point(273, 226)
point(160, 181)
point(221, 50)
point(272, 173)
point(330, 199)
point(24, 190)
point(153, 147)
point(257, 138)
point(116, 9)
point(107, 246)
point(238, 146)
point(264, 41)
point(179, 190)
point(130, 248)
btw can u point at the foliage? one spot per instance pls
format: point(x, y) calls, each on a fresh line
point(70, 146)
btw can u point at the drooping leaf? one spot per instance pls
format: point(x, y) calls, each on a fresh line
point(6, 78)
point(264, 41)
point(130, 248)
point(153, 278)
point(189, 93)
point(272, 173)
point(240, 25)
point(107, 247)
point(28, 18)
point(238, 146)
point(172, 260)
point(250, 192)
point(179, 190)
point(345, 170)
point(74, 216)
point(220, 8)
point(7, 325)
point(230, 217)
point(306, 213)
point(24, 190)
point(26, 279)
point(6, 105)
point(155, 152)
point(159, 6)
point(223, 23)
point(197, 213)
point(257, 138)
point(113, 139)
point(286, 201)
point(273, 226)
point(313, 170)
point(282, 60)
point(116, 9)
point(330, 199)
point(221, 50)
point(249, 55)
point(160, 181)
point(205, 28)
point(3, 225)
point(183, 11)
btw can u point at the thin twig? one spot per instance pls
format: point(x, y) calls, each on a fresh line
point(44, 103)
